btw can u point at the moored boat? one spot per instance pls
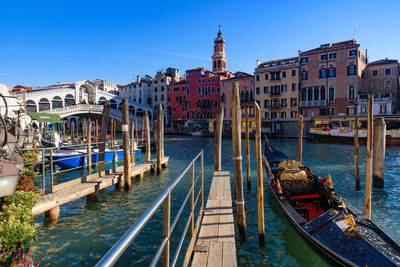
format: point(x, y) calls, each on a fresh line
point(341, 130)
point(323, 218)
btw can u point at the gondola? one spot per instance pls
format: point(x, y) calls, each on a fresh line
point(323, 218)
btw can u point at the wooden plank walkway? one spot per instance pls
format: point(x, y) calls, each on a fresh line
point(215, 244)
point(69, 191)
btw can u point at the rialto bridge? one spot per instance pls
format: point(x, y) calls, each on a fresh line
point(79, 101)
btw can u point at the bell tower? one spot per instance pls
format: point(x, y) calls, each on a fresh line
point(219, 57)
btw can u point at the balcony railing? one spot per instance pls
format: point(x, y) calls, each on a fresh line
point(317, 103)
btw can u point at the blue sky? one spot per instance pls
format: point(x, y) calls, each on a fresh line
point(43, 42)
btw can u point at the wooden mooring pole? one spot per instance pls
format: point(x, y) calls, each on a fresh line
point(132, 142)
point(89, 146)
point(71, 130)
point(159, 137)
point(356, 152)
point(146, 125)
point(247, 146)
point(218, 138)
point(368, 173)
point(103, 136)
point(379, 152)
point(260, 184)
point(126, 143)
point(237, 160)
point(300, 148)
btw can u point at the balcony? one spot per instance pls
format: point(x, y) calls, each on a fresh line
point(312, 103)
point(377, 97)
point(274, 93)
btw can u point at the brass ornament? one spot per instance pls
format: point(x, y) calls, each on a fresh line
point(351, 222)
point(329, 181)
point(289, 164)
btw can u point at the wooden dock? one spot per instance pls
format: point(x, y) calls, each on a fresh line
point(215, 245)
point(69, 191)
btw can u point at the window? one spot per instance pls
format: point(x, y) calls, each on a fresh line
point(316, 93)
point(388, 84)
point(155, 90)
point(351, 92)
point(257, 77)
point(162, 88)
point(266, 76)
point(266, 103)
point(188, 73)
point(332, 72)
point(304, 75)
point(309, 94)
point(266, 115)
point(251, 81)
point(363, 109)
point(304, 60)
point(265, 89)
point(322, 72)
point(331, 94)
point(324, 57)
point(217, 89)
point(304, 94)
point(387, 71)
point(332, 55)
point(284, 88)
point(293, 73)
point(293, 114)
point(283, 74)
point(187, 90)
point(351, 70)
point(374, 72)
point(293, 87)
point(283, 115)
point(275, 76)
point(213, 89)
point(257, 90)
point(382, 109)
point(162, 97)
point(323, 93)
point(352, 53)
point(374, 85)
point(284, 102)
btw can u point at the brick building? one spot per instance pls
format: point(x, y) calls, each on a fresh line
point(277, 88)
point(246, 91)
point(331, 76)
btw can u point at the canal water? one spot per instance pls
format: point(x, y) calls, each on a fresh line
point(87, 231)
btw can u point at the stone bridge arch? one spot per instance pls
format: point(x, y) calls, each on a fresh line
point(85, 92)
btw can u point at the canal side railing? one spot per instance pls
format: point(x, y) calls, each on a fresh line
point(164, 199)
point(46, 165)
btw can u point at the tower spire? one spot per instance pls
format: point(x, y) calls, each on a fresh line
point(219, 57)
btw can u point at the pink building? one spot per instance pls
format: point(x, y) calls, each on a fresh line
point(246, 91)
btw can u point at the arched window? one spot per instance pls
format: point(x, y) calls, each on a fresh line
point(132, 110)
point(247, 96)
point(139, 112)
point(102, 100)
point(120, 106)
point(57, 102)
point(223, 97)
point(162, 97)
point(69, 100)
point(251, 96)
point(31, 106)
point(113, 104)
point(310, 94)
point(44, 104)
point(198, 103)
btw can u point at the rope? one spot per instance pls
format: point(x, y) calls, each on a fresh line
point(238, 158)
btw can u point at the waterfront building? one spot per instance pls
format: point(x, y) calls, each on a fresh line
point(196, 97)
point(246, 91)
point(382, 80)
point(277, 88)
point(330, 77)
point(138, 91)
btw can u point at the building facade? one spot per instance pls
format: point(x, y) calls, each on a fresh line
point(138, 91)
point(246, 91)
point(331, 77)
point(277, 88)
point(382, 80)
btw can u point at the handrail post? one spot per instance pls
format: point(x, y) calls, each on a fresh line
point(51, 170)
point(166, 228)
point(202, 178)
point(43, 173)
point(192, 200)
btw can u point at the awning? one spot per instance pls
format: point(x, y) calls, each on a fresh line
point(199, 122)
point(45, 117)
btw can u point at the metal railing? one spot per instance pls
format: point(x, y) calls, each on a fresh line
point(112, 256)
point(85, 152)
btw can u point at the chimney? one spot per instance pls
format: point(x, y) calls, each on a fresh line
point(138, 79)
point(258, 62)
